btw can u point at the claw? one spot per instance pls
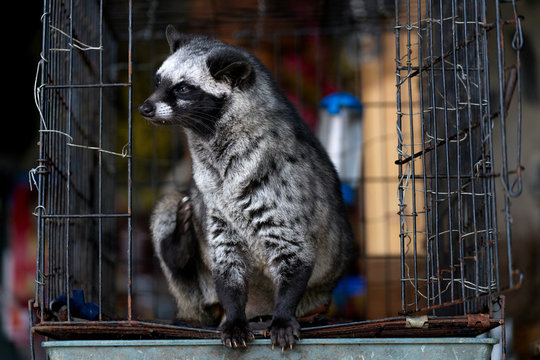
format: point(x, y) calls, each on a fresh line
point(235, 335)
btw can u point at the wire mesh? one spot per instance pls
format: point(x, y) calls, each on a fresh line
point(79, 159)
point(456, 250)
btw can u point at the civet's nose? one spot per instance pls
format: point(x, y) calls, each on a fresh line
point(147, 109)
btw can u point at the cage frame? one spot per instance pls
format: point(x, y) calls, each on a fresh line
point(468, 323)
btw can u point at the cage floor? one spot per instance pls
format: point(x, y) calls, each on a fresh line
point(469, 326)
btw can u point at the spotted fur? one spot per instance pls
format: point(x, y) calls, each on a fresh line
point(267, 221)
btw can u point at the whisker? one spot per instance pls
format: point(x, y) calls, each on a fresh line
point(201, 122)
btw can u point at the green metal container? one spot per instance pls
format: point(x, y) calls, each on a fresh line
point(311, 349)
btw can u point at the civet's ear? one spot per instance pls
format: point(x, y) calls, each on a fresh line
point(175, 39)
point(232, 67)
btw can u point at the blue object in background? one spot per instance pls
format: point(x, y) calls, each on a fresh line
point(353, 285)
point(87, 311)
point(333, 103)
point(340, 131)
point(348, 193)
point(348, 297)
point(77, 305)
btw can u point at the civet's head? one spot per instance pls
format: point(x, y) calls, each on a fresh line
point(195, 84)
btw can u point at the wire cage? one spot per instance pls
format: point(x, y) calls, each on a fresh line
point(447, 254)
point(78, 157)
point(456, 77)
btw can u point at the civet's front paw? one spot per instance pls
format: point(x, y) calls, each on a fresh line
point(235, 334)
point(284, 332)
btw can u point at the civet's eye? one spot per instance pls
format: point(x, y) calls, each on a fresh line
point(157, 80)
point(182, 88)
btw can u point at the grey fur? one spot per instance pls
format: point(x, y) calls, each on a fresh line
point(267, 220)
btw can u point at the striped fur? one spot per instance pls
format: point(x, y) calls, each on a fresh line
point(267, 214)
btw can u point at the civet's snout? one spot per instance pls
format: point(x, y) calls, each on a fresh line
point(147, 109)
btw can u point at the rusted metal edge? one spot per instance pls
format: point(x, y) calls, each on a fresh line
point(384, 328)
point(400, 327)
point(108, 330)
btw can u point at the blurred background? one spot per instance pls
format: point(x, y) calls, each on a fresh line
point(369, 73)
